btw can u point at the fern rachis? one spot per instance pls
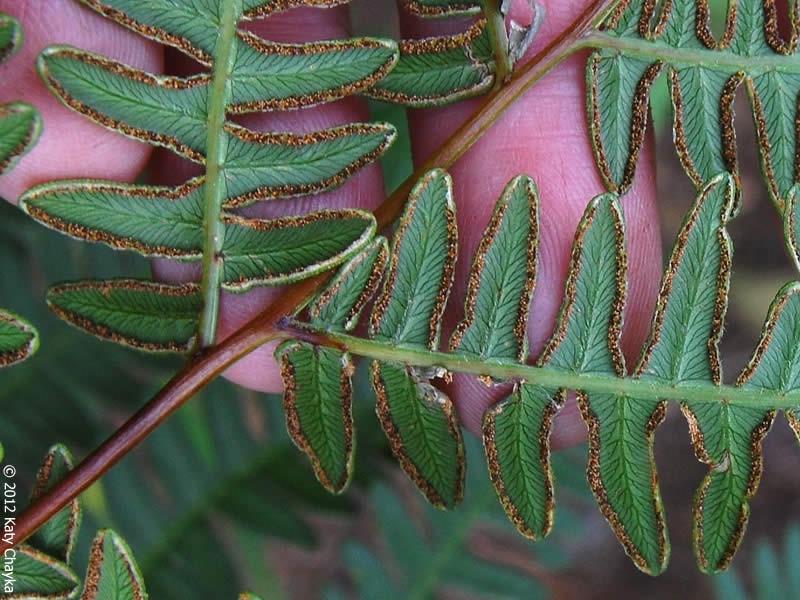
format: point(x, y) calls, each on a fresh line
point(633, 42)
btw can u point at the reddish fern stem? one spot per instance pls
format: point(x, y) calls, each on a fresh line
point(203, 367)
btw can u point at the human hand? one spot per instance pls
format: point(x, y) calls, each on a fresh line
point(543, 134)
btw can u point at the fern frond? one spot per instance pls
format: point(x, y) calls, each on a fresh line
point(20, 125)
point(196, 220)
point(428, 551)
point(43, 566)
point(641, 39)
point(679, 360)
point(438, 70)
point(210, 465)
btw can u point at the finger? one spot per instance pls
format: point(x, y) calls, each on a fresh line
point(545, 135)
point(70, 144)
point(258, 370)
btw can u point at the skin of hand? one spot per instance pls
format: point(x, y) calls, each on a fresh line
point(544, 134)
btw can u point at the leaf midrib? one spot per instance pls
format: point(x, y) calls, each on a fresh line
point(718, 60)
point(552, 377)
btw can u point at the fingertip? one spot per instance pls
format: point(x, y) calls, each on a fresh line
point(544, 134)
point(258, 370)
point(70, 144)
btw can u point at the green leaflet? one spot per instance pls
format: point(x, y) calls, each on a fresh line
point(37, 575)
point(269, 76)
point(439, 70)
point(341, 302)
point(517, 431)
point(318, 395)
point(775, 365)
point(617, 88)
point(441, 8)
point(410, 306)
point(621, 472)
point(704, 74)
point(419, 420)
point(157, 221)
point(10, 36)
point(516, 435)
point(263, 74)
point(502, 278)
point(683, 347)
point(19, 128)
point(112, 572)
point(172, 112)
point(267, 166)
point(318, 401)
point(703, 118)
point(168, 111)
point(18, 338)
point(421, 424)
point(728, 439)
point(268, 252)
point(143, 314)
point(20, 124)
point(687, 325)
point(589, 320)
point(57, 536)
point(189, 115)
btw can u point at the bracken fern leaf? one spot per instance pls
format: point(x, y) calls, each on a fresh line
point(19, 127)
point(641, 39)
point(195, 221)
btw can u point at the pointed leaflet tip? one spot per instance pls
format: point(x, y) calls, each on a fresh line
point(18, 338)
point(339, 305)
point(112, 570)
point(409, 308)
point(502, 278)
point(57, 536)
point(156, 317)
